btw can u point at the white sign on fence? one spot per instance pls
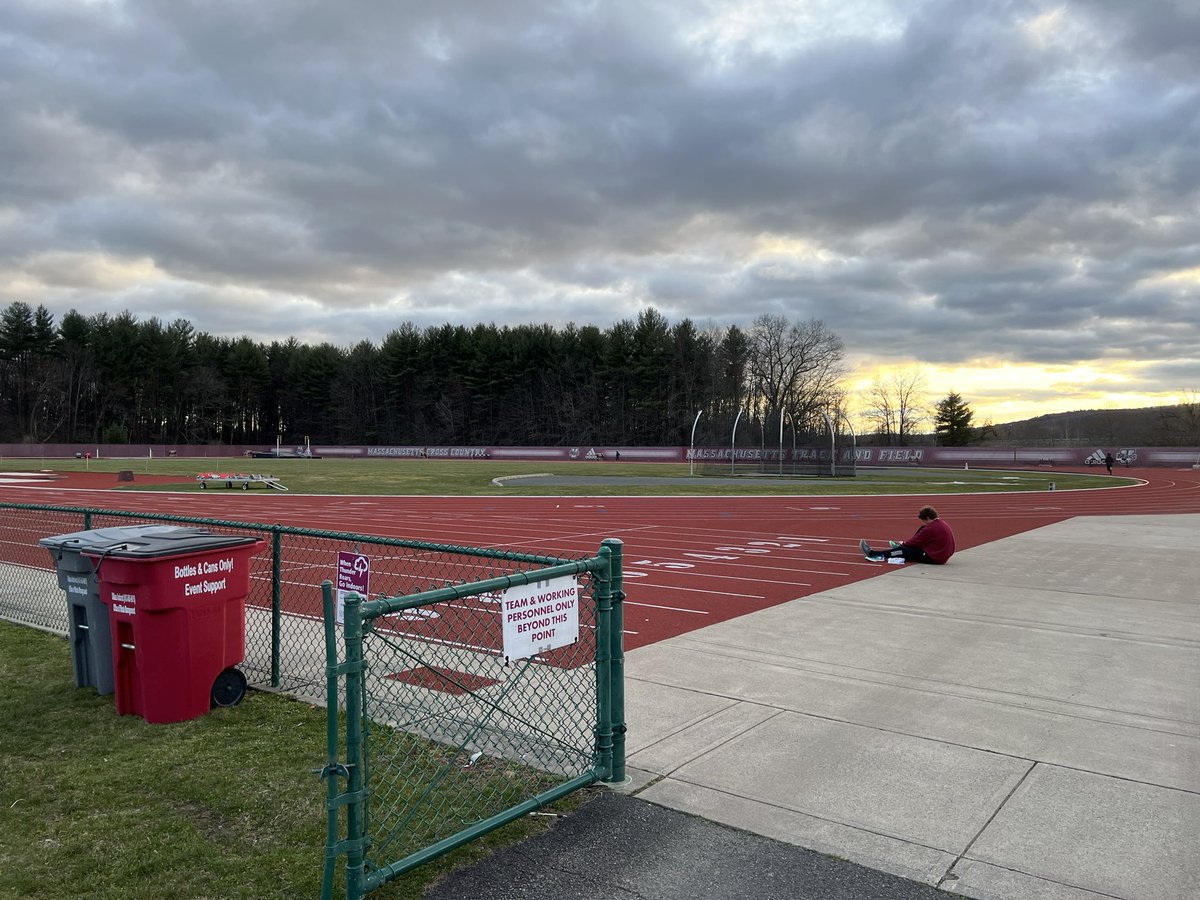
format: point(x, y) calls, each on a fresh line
point(539, 617)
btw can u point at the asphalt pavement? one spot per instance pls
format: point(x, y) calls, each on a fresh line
point(617, 847)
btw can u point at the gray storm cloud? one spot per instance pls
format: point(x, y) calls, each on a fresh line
point(938, 181)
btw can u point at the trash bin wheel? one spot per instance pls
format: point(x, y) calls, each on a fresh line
point(228, 688)
point(203, 485)
point(245, 485)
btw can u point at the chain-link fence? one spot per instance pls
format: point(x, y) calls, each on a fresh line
point(456, 733)
point(454, 738)
point(284, 638)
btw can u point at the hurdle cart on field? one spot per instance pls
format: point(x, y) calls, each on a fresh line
point(243, 481)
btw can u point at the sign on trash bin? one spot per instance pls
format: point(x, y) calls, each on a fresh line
point(539, 617)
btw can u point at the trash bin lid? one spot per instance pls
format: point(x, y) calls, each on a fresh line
point(107, 538)
point(153, 546)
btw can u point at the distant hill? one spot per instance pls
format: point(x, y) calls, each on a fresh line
point(1152, 426)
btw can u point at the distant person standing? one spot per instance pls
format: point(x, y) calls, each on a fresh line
point(932, 542)
point(1108, 461)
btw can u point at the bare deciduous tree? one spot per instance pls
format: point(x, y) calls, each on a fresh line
point(895, 406)
point(1181, 423)
point(793, 366)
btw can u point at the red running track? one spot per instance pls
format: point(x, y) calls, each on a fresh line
point(689, 561)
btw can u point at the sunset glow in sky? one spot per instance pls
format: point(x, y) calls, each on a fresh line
point(1002, 392)
point(1005, 193)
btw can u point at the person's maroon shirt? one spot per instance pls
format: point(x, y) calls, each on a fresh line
point(936, 539)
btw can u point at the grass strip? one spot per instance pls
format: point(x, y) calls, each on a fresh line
point(105, 806)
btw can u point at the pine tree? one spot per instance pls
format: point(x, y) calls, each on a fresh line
point(952, 421)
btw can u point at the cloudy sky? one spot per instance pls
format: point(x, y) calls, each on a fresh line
point(1001, 192)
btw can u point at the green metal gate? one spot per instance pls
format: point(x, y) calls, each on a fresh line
point(445, 738)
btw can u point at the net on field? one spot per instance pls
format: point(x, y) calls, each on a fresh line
point(820, 445)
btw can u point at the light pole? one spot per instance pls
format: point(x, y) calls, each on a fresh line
point(692, 445)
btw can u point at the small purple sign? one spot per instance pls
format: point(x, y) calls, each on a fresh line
point(353, 574)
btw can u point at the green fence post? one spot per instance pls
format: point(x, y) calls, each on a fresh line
point(616, 663)
point(87, 520)
point(276, 611)
point(355, 836)
point(332, 768)
point(604, 734)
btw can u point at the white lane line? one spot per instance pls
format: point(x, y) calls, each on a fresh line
point(643, 584)
point(698, 612)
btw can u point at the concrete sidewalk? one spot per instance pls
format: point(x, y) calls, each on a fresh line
point(1022, 723)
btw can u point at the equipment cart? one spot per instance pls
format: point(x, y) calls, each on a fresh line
point(244, 481)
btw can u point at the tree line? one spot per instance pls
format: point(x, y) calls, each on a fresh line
point(114, 379)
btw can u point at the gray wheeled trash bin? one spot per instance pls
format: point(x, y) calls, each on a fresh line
point(87, 618)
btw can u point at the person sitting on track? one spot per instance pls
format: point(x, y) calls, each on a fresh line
point(933, 542)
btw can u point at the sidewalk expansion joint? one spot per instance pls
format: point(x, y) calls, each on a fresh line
point(950, 876)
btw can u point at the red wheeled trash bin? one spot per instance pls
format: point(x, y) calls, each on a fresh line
point(177, 621)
